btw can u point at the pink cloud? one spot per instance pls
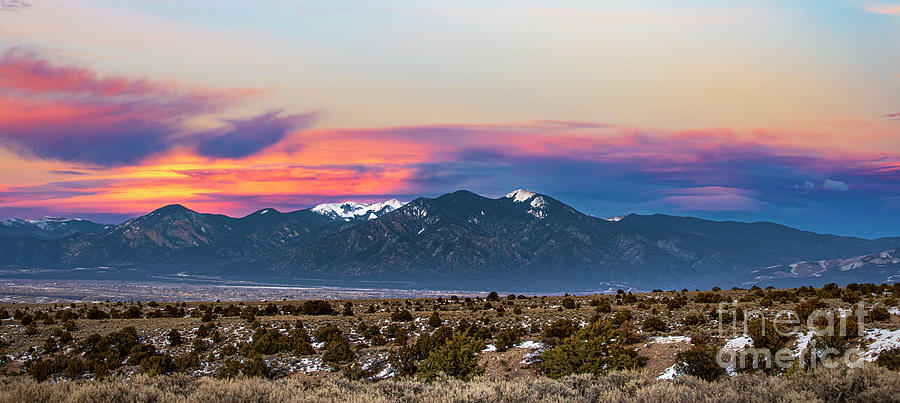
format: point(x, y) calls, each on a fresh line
point(72, 114)
point(884, 9)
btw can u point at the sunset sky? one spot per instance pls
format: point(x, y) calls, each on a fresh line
point(784, 111)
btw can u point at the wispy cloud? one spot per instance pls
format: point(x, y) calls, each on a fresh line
point(14, 5)
point(883, 8)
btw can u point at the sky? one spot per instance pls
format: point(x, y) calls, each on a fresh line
point(783, 111)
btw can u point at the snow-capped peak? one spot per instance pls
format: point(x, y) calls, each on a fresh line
point(349, 210)
point(47, 219)
point(616, 218)
point(520, 195)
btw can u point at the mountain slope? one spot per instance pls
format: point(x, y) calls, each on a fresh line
point(175, 237)
point(48, 227)
point(524, 240)
point(350, 210)
point(881, 267)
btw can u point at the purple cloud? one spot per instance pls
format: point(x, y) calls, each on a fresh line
point(243, 138)
point(14, 5)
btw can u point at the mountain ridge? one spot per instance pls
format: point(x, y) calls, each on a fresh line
point(523, 239)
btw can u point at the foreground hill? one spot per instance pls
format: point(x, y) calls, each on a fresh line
point(524, 240)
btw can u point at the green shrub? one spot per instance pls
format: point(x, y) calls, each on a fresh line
point(256, 367)
point(622, 316)
point(66, 315)
point(592, 350)
point(249, 314)
point(328, 332)
point(337, 350)
point(559, 329)
point(850, 297)
point(272, 341)
point(879, 313)
point(199, 345)
point(405, 360)
point(457, 358)
point(807, 307)
point(700, 361)
point(506, 339)
point(156, 365)
point(401, 316)
point(133, 312)
point(836, 338)
point(694, 318)
point(356, 371)
point(186, 362)
point(174, 337)
point(603, 306)
point(95, 313)
point(889, 359)
point(231, 368)
point(41, 370)
point(316, 307)
point(348, 309)
point(654, 324)
point(435, 320)
point(764, 334)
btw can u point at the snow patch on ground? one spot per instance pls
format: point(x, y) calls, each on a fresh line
point(531, 345)
point(670, 373)
point(803, 342)
point(386, 372)
point(738, 344)
point(671, 339)
point(880, 340)
point(532, 357)
point(489, 348)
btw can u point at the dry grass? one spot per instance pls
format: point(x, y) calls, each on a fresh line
point(863, 385)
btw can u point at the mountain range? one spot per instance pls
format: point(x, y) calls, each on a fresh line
point(461, 240)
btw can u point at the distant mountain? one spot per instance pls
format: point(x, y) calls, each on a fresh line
point(455, 236)
point(530, 240)
point(173, 237)
point(48, 227)
point(881, 267)
point(350, 210)
point(522, 241)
